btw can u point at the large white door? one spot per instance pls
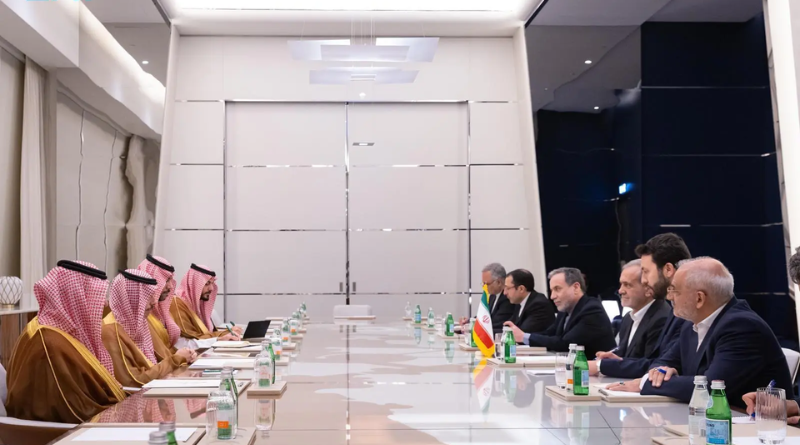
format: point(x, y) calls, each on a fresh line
point(285, 238)
point(408, 198)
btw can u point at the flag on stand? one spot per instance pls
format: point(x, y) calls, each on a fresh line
point(482, 333)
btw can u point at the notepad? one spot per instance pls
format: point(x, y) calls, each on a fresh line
point(204, 363)
point(181, 383)
point(127, 434)
point(736, 420)
point(226, 355)
point(251, 348)
point(755, 441)
point(231, 344)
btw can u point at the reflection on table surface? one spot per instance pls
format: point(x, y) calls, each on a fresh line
point(392, 383)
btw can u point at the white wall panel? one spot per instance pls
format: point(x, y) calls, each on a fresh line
point(68, 160)
point(201, 247)
point(194, 200)
point(433, 134)
point(286, 198)
point(494, 133)
point(408, 198)
point(492, 71)
point(246, 308)
point(511, 248)
point(391, 308)
point(285, 262)
point(286, 134)
point(409, 261)
point(497, 195)
point(199, 133)
point(200, 71)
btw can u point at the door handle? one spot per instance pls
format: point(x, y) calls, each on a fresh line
point(341, 287)
point(354, 286)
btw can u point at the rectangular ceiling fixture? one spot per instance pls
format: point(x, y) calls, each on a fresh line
point(363, 144)
point(389, 50)
point(378, 75)
point(355, 5)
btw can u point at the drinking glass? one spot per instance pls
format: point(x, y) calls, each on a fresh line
point(561, 369)
point(771, 415)
point(216, 399)
point(498, 346)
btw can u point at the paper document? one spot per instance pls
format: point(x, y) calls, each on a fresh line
point(231, 344)
point(542, 372)
point(127, 434)
point(742, 419)
point(219, 363)
point(540, 360)
point(755, 441)
point(224, 355)
point(179, 383)
point(256, 348)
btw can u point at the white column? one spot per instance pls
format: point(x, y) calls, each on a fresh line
point(784, 33)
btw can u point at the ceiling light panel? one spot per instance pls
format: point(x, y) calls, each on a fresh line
point(411, 49)
point(355, 5)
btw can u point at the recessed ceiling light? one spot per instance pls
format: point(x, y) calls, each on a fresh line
point(362, 95)
point(588, 62)
point(363, 144)
point(145, 62)
point(596, 108)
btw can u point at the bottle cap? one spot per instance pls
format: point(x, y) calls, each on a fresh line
point(506, 328)
point(580, 348)
point(718, 384)
point(698, 379)
point(166, 426)
point(573, 345)
point(158, 437)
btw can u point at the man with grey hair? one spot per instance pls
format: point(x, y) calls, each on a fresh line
point(641, 328)
point(723, 340)
point(501, 309)
point(581, 319)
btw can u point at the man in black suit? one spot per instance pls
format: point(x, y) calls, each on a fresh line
point(581, 319)
point(660, 256)
point(533, 312)
point(641, 328)
point(501, 309)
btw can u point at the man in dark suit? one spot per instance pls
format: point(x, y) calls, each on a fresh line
point(641, 328)
point(581, 319)
point(501, 309)
point(533, 312)
point(724, 340)
point(659, 259)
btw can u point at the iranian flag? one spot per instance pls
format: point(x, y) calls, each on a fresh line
point(482, 332)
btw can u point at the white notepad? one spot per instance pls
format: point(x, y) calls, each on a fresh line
point(231, 344)
point(538, 360)
point(180, 383)
point(755, 441)
point(244, 363)
point(127, 434)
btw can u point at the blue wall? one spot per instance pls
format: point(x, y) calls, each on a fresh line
point(697, 141)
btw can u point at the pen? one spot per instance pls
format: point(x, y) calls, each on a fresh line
point(663, 371)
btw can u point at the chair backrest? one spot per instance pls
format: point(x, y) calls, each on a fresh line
point(793, 361)
point(612, 308)
point(3, 388)
point(15, 431)
point(352, 310)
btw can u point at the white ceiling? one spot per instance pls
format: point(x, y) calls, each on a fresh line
point(128, 11)
point(145, 41)
point(567, 32)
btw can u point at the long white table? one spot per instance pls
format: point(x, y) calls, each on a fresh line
point(387, 383)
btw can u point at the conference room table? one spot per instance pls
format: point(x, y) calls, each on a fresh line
point(391, 383)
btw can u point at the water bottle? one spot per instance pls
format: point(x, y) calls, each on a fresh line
point(471, 340)
point(718, 416)
point(168, 428)
point(304, 307)
point(277, 348)
point(580, 371)
point(449, 326)
point(431, 318)
point(264, 370)
point(569, 367)
point(509, 346)
point(417, 315)
point(158, 438)
point(285, 333)
point(227, 383)
point(408, 309)
point(697, 411)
